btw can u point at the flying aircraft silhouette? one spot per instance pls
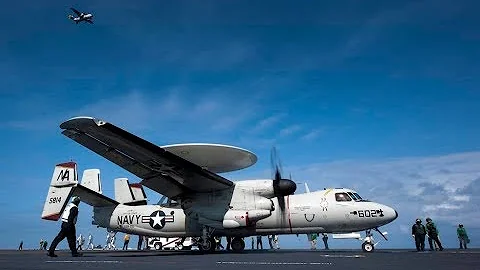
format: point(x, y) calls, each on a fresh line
point(81, 17)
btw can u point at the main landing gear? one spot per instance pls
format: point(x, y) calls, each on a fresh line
point(237, 244)
point(207, 242)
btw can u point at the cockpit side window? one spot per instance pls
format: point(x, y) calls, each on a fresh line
point(173, 203)
point(342, 197)
point(167, 202)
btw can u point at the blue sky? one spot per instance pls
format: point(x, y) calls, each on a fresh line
point(382, 98)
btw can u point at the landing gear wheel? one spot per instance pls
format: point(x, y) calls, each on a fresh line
point(368, 247)
point(208, 246)
point(237, 244)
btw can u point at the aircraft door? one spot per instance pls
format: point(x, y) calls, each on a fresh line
point(344, 207)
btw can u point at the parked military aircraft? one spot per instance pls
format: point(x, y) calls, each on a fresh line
point(81, 17)
point(201, 203)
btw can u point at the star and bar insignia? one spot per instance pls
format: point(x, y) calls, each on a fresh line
point(158, 219)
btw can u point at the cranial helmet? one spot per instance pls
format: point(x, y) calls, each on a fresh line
point(76, 200)
point(428, 219)
point(418, 220)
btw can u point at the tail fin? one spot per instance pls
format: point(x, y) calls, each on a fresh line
point(91, 180)
point(63, 182)
point(138, 192)
point(129, 194)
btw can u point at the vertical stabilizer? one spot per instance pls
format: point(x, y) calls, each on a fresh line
point(138, 192)
point(130, 194)
point(63, 182)
point(91, 180)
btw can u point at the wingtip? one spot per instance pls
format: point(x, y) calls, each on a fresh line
point(80, 120)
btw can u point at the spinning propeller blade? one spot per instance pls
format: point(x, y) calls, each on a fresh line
point(282, 187)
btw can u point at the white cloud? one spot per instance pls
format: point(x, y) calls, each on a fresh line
point(312, 134)
point(290, 130)
point(445, 188)
point(268, 121)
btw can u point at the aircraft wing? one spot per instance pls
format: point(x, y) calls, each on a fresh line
point(161, 170)
point(76, 12)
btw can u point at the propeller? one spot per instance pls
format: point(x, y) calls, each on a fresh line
point(281, 186)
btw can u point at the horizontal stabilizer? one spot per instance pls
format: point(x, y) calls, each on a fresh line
point(93, 198)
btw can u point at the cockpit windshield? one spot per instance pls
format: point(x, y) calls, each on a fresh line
point(342, 197)
point(348, 196)
point(355, 196)
point(358, 196)
point(167, 202)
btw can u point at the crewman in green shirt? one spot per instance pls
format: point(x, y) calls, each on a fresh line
point(462, 236)
point(432, 233)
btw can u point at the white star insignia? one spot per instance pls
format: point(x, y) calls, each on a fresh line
point(157, 219)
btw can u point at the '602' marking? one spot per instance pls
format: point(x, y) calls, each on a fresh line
point(368, 213)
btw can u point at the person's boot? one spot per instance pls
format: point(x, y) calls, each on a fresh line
point(51, 254)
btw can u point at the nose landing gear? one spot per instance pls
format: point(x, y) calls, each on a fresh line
point(369, 243)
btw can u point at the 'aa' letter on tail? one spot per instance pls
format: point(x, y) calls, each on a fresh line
point(64, 180)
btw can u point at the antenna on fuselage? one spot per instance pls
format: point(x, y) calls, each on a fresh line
point(307, 190)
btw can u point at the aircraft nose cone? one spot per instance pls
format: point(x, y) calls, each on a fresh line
point(390, 214)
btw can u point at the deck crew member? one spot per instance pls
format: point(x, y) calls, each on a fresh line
point(69, 219)
point(462, 236)
point(418, 233)
point(433, 234)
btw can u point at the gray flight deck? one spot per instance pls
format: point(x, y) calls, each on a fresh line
point(266, 259)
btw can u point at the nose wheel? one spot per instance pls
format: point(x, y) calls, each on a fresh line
point(367, 247)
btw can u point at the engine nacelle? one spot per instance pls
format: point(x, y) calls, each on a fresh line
point(268, 188)
point(240, 218)
point(262, 188)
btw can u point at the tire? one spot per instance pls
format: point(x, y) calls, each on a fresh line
point(367, 247)
point(237, 244)
point(209, 245)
